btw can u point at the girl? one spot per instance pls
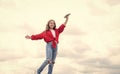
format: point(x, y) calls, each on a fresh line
point(51, 37)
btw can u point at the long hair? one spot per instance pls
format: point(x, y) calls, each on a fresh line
point(47, 25)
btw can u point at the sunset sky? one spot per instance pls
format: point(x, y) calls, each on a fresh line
point(90, 43)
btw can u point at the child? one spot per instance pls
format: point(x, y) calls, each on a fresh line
point(51, 37)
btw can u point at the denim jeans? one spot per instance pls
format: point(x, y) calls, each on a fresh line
point(50, 59)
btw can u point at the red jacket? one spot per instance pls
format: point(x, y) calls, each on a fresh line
point(48, 37)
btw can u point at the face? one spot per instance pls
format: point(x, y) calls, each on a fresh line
point(51, 24)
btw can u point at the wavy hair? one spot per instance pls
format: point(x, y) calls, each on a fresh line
point(47, 25)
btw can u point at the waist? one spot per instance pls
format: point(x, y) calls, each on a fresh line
point(47, 40)
point(52, 42)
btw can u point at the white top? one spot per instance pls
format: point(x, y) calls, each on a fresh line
point(53, 33)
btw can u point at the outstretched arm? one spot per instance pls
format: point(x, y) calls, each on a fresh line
point(35, 37)
point(66, 17)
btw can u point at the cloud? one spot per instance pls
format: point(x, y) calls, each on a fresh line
point(89, 44)
point(113, 2)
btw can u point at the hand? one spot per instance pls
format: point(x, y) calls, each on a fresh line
point(66, 16)
point(27, 37)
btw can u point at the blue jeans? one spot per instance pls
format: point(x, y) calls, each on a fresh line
point(50, 59)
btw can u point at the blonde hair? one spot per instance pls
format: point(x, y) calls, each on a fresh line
point(47, 25)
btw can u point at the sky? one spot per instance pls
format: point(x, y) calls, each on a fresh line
point(90, 43)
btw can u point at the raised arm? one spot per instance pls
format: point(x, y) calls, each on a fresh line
point(66, 19)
